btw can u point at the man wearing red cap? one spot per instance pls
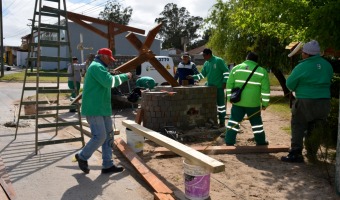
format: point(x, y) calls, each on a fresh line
point(96, 106)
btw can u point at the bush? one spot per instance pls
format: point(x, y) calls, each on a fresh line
point(335, 87)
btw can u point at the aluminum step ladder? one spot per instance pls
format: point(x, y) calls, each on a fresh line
point(49, 48)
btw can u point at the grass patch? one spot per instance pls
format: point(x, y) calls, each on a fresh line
point(280, 106)
point(273, 80)
point(19, 77)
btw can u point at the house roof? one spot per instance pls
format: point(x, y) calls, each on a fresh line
point(197, 50)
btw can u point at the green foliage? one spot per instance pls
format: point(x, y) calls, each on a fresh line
point(177, 24)
point(333, 121)
point(324, 23)
point(325, 134)
point(335, 87)
point(200, 42)
point(266, 27)
point(115, 12)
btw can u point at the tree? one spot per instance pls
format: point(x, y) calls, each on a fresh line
point(115, 12)
point(264, 27)
point(177, 24)
point(200, 42)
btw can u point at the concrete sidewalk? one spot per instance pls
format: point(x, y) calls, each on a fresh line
point(51, 174)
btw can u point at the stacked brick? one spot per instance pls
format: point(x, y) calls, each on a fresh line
point(181, 107)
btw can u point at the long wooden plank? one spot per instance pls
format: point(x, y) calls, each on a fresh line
point(142, 168)
point(160, 196)
point(214, 150)
point(198, 158)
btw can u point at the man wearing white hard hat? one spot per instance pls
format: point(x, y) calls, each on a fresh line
point(311, 81)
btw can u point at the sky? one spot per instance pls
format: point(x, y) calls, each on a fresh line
point(16, 13)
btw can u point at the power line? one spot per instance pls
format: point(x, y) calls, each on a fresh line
point(8, 7)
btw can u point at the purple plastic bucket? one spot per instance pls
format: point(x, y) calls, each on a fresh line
point(196, 181)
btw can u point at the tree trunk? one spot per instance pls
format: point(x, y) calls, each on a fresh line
point(282, 80)
point(337, 164)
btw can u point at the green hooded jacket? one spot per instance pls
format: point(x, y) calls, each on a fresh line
point(311, 78)
point(98, 82)
point(215, 70)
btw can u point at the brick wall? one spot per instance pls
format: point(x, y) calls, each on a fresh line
point(184, 108)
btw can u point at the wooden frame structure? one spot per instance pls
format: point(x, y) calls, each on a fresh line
point(113, 28)
point(145, 54)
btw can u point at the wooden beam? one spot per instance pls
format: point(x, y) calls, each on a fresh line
point(132, 64)
point(160, 196)
point(156, 184)
point(214, 150)
point(164, 72)
point(197, 158)
point(132, 38)
point(139, 116)
point(90, 27)
point(151, 35)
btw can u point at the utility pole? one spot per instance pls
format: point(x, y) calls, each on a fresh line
point(2, 44)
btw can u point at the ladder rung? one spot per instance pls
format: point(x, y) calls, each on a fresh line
point(52, 10)
point(49, 43)
point(52, 26)
point(57, 1)
point(49, 59)
point(41, 143)
point(33, 102)
point(50, 30)
point(47, 14)
point(34, 88)
point(49, 74)
point(44, 108)
point(55, 91)
point(58, 124)
point(39, 116)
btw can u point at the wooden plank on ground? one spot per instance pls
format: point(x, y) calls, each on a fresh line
point(214, 150)
point(142, 168)
point(195, 157)
point(160, 196)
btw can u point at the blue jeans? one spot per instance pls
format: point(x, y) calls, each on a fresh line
point(102, 135)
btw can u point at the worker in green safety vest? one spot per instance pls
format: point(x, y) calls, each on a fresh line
point(255, 96)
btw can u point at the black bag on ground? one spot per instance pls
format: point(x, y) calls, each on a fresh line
point(135, 95)
point(235, 95)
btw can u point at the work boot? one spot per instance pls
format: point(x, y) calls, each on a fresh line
point(82, 164)
point(112, 169)
point(293, 156)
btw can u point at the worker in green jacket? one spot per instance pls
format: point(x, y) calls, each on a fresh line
point(217, 73)
point(96, 106)
point(146, 82)
point(255, 96)
point(311, 81)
